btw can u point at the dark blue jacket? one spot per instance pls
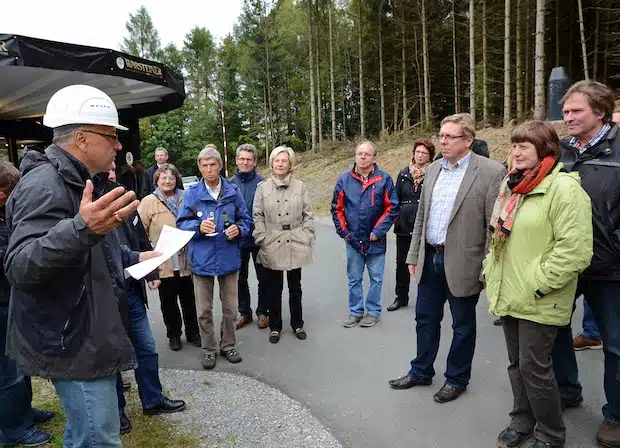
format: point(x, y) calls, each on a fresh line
point(359, 209)
point(214, 256)
point(247, 183)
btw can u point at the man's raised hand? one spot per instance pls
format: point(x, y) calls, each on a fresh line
point(107, 212)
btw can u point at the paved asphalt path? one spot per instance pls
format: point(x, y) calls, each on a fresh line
point(341, 374)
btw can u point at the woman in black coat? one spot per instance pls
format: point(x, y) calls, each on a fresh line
point(408, 189)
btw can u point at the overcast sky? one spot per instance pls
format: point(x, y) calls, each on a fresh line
point(101, 23)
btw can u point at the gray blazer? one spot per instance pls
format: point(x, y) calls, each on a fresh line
point(466, 240)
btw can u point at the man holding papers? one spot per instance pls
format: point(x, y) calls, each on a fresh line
point(215, 210)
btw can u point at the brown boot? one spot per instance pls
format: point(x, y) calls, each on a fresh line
point(263, 321)
point(242, 322)
point(609, 434)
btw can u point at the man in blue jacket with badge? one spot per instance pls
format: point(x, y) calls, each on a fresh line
point(364, 207)
point(214, 208)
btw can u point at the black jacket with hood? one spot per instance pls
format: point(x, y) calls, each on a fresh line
point(66, 280)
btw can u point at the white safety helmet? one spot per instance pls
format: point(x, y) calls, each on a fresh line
point(81, 104)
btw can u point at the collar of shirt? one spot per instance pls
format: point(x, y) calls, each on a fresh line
point(597, 138)
point(215, 193)
point(463, 163)
point(365, 178)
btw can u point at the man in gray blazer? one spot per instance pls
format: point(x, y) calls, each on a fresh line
point(447, 248)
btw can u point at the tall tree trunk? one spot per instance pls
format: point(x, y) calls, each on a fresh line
point(361, 70)
point(347, 67)
point(427, 81)
point(381, 81)
point(596, 44)
point(266, 131)
point(265, 19)
point(457, 106)
point(605, 59)
point(539, 61)
point(403, 59)
point(519, 56)
point(582, 34)
point(331, 71)
point(472, 62)
point(526, 68)
point(557, 33)
point(396, 100)
point(419, 75)
point(319, 98)
point(311, 62)
point(485, 67)
point(507, 94)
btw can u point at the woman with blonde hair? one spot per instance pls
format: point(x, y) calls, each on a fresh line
point(284, 232)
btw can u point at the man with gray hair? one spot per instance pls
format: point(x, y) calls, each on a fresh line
point(216, 211)
point(247, 179)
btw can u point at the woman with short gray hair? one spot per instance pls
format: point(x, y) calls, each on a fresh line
point(284, 231)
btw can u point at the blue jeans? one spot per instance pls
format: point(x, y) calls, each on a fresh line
point(355, 273)
point(590, 329)
point(433, 292)
point(16, 417)
point(91, 408)
point(147, 373)
point(603, 300)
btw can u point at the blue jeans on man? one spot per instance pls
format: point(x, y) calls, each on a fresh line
point(147, 372)
point(603, 301)
point(433, 292)
point(355, 273)
point(590, 329)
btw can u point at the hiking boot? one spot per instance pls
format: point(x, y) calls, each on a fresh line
point(175, 344)
point(242, 322)
point(274, 337)
point(231, 355)
point(369, 321)
point(511, 438)
point(208, 362)
point(351, 321)
point(35, 438)
point(301, 334)
point(582, 343)
point(608, 434)
point(263, 321)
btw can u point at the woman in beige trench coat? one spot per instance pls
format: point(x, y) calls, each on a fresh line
point(284, 231)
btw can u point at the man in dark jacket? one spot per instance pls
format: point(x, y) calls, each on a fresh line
point(364, 207)
point(17, 416)
point(161, 157)
point(593, 150)
point(247, 179)
point(65, 266)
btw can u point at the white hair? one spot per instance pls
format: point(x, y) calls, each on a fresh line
point(280, 149)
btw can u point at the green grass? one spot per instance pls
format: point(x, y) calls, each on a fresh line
point(148, 431)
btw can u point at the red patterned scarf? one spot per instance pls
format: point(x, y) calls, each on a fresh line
point(513, 189)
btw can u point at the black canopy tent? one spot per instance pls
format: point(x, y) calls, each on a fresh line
point(32, 70)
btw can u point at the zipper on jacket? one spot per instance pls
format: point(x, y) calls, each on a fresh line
point(372, 198)
point(64, 329)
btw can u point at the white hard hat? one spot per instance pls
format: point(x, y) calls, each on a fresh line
point(81, 104)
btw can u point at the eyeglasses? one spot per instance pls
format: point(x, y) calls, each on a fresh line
point(449, 137)
point(114, 137)
point(421, 153)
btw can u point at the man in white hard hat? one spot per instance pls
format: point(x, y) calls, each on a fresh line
point(65, 266)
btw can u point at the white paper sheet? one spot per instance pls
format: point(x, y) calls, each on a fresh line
point(170, 241)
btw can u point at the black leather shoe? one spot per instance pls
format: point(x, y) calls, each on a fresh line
point(540, 444)
point(396, 305)
point(175, 344)
point(448, 393)
point(40, 416)
point(571, 403)
point(406, 382)
point(125, 424)
point(165, 406)
point(511, 438)
point(498, 322)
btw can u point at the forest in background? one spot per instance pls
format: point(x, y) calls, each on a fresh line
point(312, 74)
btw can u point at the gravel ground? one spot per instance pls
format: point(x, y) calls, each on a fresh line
point(229, 410)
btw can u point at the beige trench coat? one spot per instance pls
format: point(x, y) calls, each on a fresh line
point(155, 215)
point(283, 224)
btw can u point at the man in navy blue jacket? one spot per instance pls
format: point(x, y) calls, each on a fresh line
point(364, 207)
point(247, 179)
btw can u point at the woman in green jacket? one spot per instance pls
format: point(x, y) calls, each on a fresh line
point(541, 240)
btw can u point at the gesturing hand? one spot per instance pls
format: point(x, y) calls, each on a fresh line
point(106, 213)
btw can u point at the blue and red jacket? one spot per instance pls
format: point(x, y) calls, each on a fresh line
point(360, 208)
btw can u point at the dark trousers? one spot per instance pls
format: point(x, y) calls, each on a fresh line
point(16, 414)
point(403, 278)
point(147, 373)
point(275, 280)
point(537, 405)
point(603, 300)
point(183, 288)
point(433, 292)
point(244, 289)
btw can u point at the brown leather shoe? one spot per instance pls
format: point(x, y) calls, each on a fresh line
point(582, 343)
point(263, 321)
point(448, 393)
point(609, 434)
point(242, 322)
